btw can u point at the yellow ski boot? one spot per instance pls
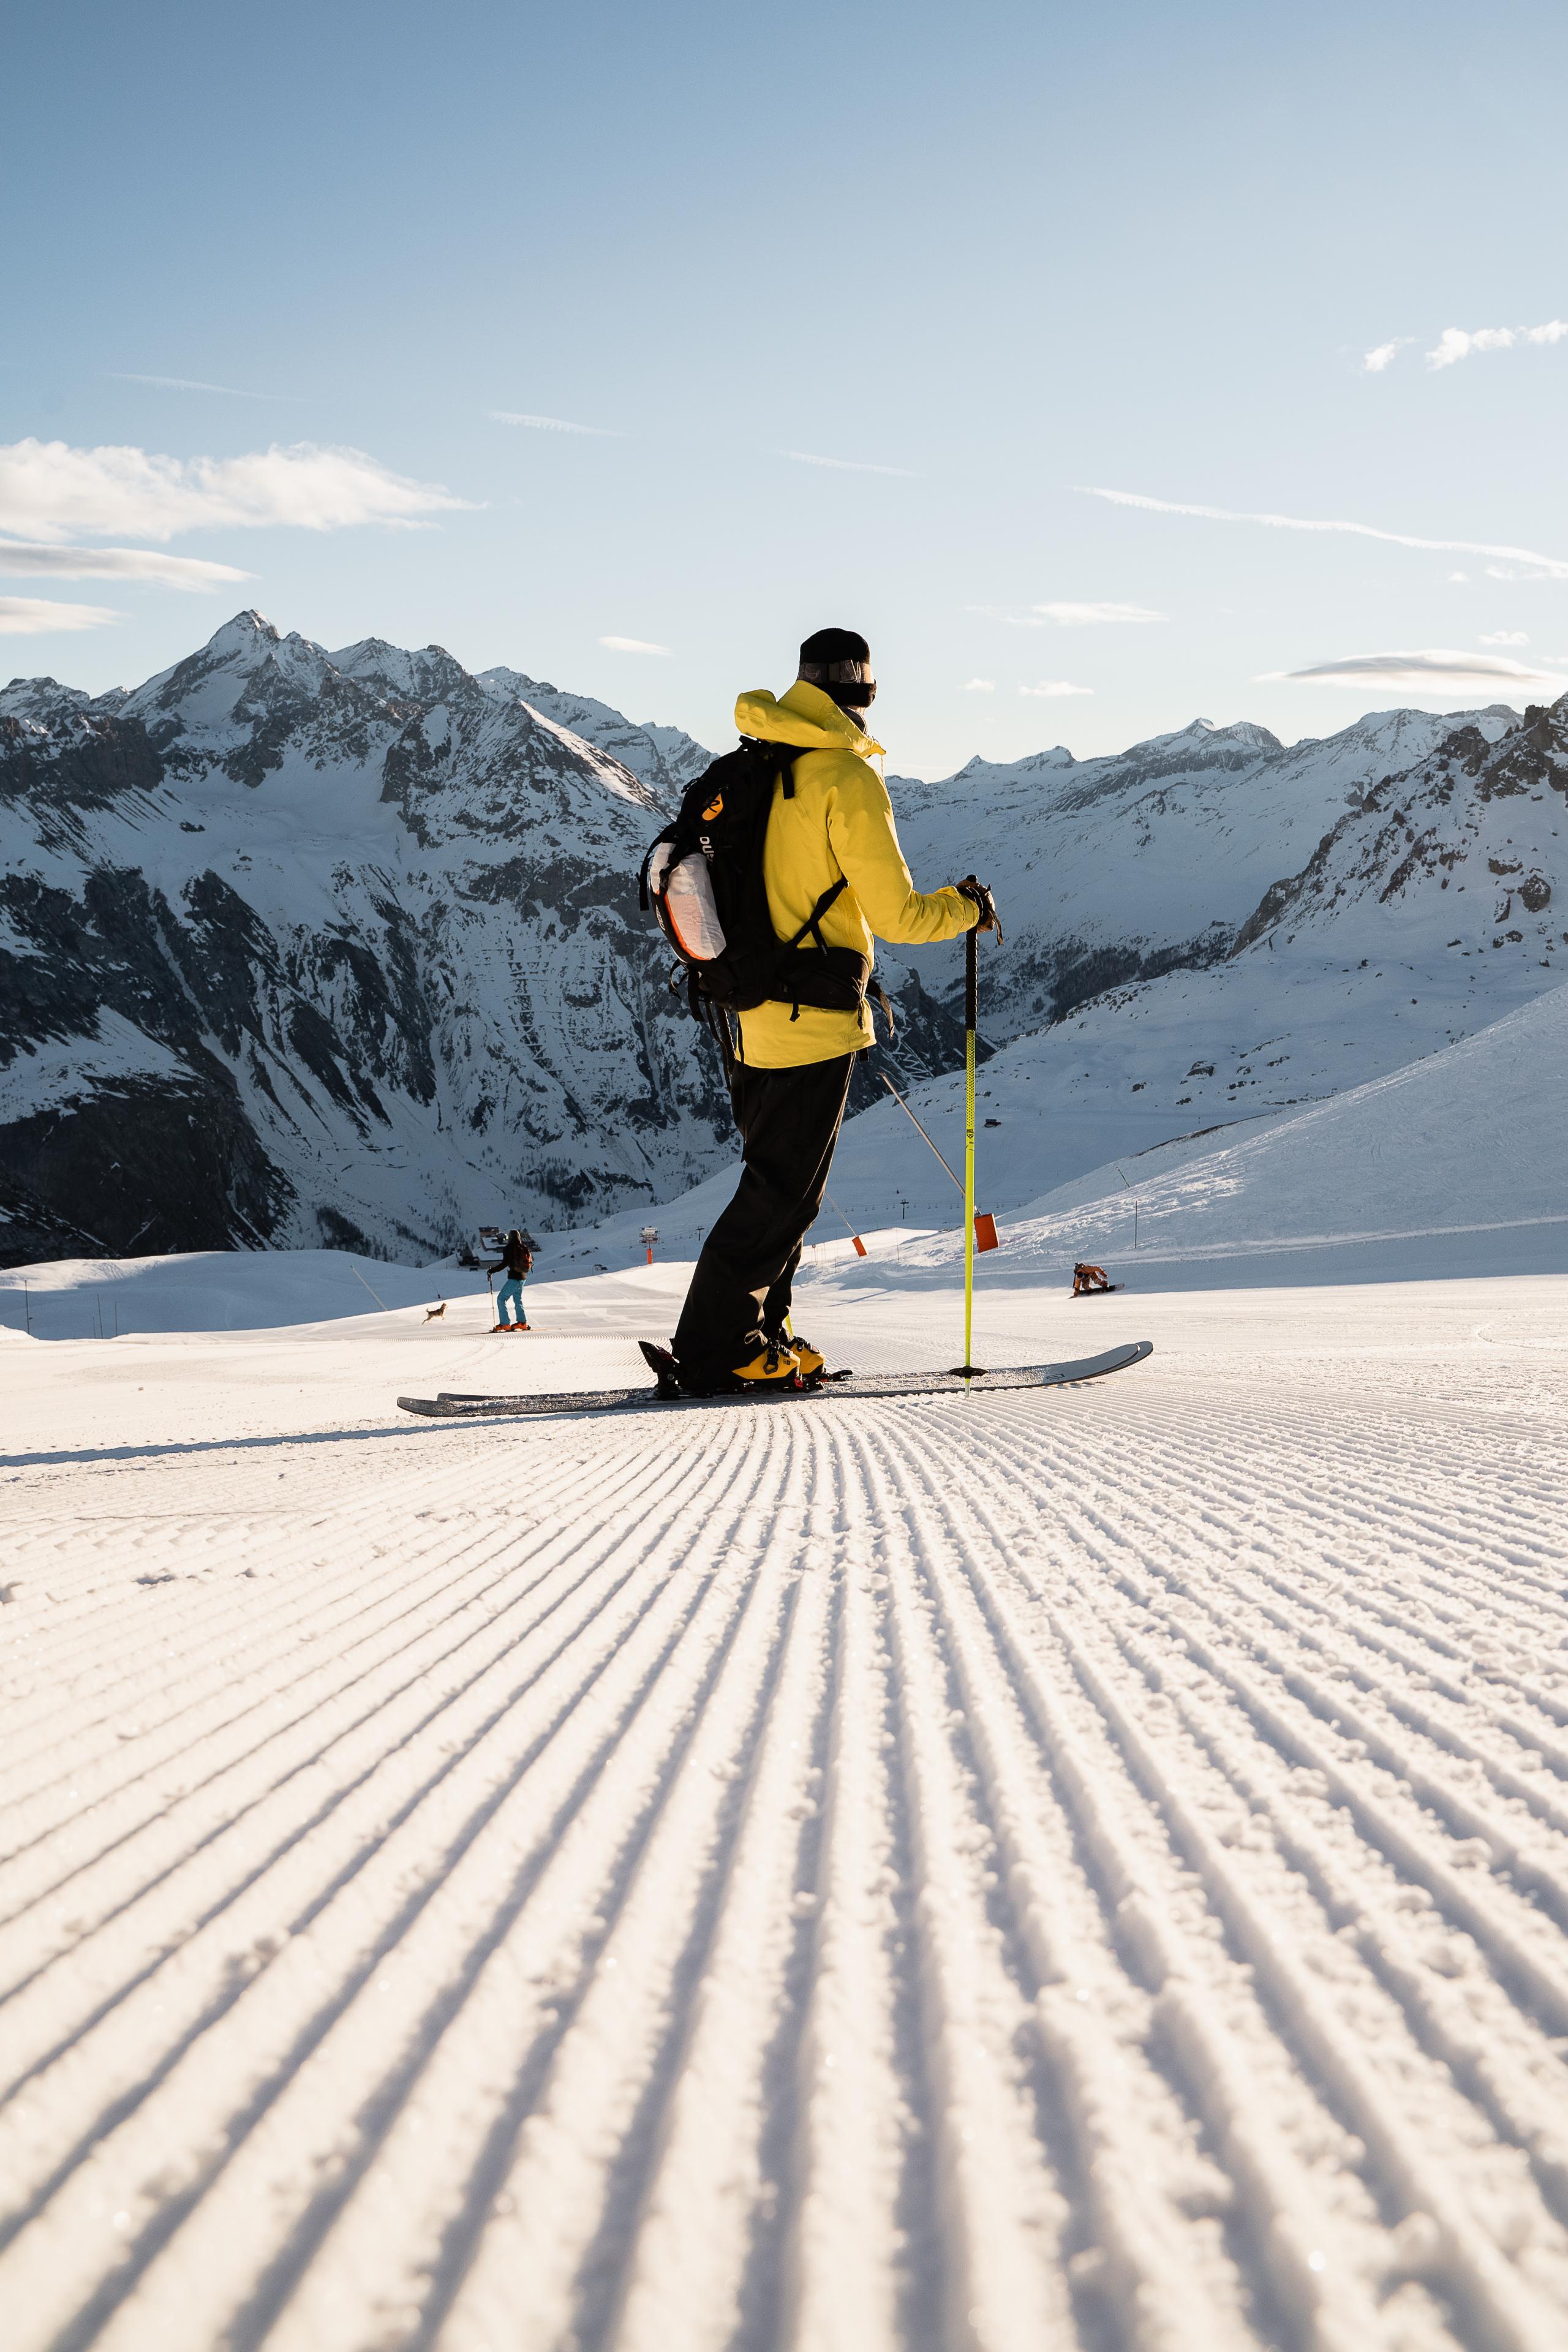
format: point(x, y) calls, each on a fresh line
point(774, 1365)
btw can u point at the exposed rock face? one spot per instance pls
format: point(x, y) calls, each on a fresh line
point(297, 947)
point(1459, 817)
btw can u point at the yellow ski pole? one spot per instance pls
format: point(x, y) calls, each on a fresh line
point(971, 992)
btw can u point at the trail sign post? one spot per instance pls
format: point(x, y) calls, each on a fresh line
point(649, 1236)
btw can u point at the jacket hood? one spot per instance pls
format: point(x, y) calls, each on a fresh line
point(804, 717)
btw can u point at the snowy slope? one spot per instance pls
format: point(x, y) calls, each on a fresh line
point(1467, 1138)
point(1086, 1872)
point(662, 756)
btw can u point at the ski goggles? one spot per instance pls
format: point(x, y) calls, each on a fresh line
point(857, 674)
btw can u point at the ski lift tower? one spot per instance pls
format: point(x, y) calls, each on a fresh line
point(649, 1236)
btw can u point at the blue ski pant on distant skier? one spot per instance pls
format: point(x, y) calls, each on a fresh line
point(511, 1289)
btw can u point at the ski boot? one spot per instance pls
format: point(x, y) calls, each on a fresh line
point(774, 1365)
point(810, 1360)
point(665, 1368)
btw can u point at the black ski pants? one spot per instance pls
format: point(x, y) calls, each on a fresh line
point(789, 1122)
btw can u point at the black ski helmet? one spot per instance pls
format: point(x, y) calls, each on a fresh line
point(838, 662)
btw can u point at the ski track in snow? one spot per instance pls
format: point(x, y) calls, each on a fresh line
point(1001, 1873)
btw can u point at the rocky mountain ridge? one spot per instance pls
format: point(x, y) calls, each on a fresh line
point(1118, 868)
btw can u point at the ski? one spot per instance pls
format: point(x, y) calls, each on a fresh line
point(450, 1406)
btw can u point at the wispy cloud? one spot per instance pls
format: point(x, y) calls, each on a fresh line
point(49, 492)
point(981, 685)
point(1077, 616)
point(1455, 343)
point(843, 465)
point(1545, 567)
point(551, 425)
point(185, 383)
point(1435, 670)
point(1506, 637)
point(21, 562)
point(1050, 687)
point(632, 645)
point(36, 616)
point(1376, 359)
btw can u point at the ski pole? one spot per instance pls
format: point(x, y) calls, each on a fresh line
point(915, 1123)
point(860, 1249)
point(361, 1280)
point(971, 992)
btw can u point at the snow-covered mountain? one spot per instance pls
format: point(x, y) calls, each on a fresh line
point(662, 756)
point(1120, 868)
point(1436, 902)
point(299, 947)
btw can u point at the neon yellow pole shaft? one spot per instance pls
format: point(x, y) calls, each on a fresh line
point(969, 1197)
point(970, 988)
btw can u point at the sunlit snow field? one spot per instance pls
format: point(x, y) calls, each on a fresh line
point(1080, 1868)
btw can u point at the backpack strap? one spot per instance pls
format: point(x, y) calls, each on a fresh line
point(813, 922)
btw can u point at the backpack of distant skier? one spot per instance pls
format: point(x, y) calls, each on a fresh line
point(703, 878)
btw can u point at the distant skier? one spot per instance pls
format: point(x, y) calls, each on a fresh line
point(516, 1261)
point(834, 876)
point(1089, 1277)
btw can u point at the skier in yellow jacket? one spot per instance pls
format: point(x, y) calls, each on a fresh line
point(792, 1062)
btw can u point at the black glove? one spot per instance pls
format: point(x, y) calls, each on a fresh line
point(984, 900)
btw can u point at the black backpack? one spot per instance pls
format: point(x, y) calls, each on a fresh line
point(703, 878)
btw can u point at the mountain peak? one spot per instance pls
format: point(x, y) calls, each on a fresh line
point(250, 632)
point(430, 675)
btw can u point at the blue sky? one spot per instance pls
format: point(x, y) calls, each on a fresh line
point(969, 265)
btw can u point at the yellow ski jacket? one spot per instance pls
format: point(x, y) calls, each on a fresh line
point(840, 821)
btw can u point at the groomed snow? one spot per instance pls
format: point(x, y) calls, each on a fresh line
point(1085, 1869)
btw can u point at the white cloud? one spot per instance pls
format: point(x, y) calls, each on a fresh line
point(1546, 567)
point(1377, 359)
point(1435, 670)
point(1052, 687)
point(843, 465)
point(981, 685)
point(35, 616)
point(1455, 344)
point(551, 425)
point(1073, 617)
point(1506, 637)
point(1457, 578)
point(49, 490)
point(185, 383)
point(632, 645)
point(18, 561)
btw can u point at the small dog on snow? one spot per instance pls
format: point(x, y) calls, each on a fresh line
point(432, 1313)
